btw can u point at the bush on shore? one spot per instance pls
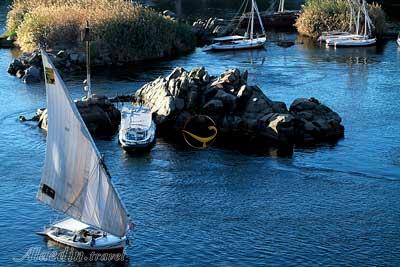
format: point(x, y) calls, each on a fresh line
point(120, 30)
point(318, 16)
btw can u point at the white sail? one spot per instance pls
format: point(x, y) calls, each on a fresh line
point(75, 180)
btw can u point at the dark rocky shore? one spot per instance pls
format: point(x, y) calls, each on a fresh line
point(28, 67)
point(242, 112)
point(101, 117)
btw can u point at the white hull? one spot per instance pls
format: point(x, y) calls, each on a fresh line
point(398, 41)
point(137, 145)
point(104, 244)
point(330, 35)
point(353, 42)
point(333, 39)
point(92, 240)
point(237, 45)
point(138, 130)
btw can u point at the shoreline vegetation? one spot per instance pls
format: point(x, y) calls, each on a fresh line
point(122, 32)
point(319, 16)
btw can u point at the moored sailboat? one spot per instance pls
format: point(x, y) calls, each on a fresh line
point(358, 39)
point(353, 25)
point(250, 40)
point(75, 179)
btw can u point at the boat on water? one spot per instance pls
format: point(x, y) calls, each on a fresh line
point(398, 40)
point(138, 130)
point(330, 35)
point(353, 42)
point(82, 236)
point(75, 180)
point(359, 39)
point(335, 35)
point(250, 40)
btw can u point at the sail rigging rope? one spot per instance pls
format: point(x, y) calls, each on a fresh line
point(244, 7)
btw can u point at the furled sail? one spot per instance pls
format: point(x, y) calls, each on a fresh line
point(75, 180)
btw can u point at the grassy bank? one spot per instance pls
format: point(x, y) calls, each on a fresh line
point(121, 31)
point(318, 16)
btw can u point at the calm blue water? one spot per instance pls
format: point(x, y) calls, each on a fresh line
point(323, 206)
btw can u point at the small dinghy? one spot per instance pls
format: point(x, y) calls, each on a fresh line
point(138, 130)
point(75, 180)
point(249, 40)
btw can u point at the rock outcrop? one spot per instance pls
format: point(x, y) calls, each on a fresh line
point(204, 30)
point(315, 121)
point(6, 41)
point(99, 114)
point(28, 67)
point(242, 112)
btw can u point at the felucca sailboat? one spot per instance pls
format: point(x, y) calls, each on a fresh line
point(353, 24)
point(360, 38)
point(249, 40)
point(75, 180)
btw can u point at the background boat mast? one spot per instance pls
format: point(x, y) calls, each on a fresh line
point(252, 20)
point(87, 40)
point(281, 7)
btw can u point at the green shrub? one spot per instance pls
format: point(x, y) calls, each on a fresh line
point(318, 16)
point(122, 31)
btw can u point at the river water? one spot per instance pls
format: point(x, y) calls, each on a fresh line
point(325, 205)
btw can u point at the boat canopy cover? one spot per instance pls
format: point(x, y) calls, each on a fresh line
point(75, 180)
point(136, 117)
point(71, 225)
point(228, 38)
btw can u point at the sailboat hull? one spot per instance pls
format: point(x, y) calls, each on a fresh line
point(332, 35)
point(238, 45)
point(101, 244)
point(353, 42)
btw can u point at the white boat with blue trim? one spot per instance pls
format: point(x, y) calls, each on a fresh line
point(137, 130)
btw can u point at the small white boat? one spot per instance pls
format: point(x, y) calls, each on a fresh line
point(249, 40)
point(79, 235)
point(230, 43)
point(352, 42)
point(398, 40)
point(333, 35)
point(332, 39)
point(138, 130)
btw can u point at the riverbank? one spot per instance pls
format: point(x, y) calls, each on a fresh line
point(121, 32)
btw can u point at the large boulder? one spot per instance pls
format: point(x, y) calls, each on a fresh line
point(206, 29)
point(32, 75)
point(242, 112)
point(101, 117)
point(315, 121)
